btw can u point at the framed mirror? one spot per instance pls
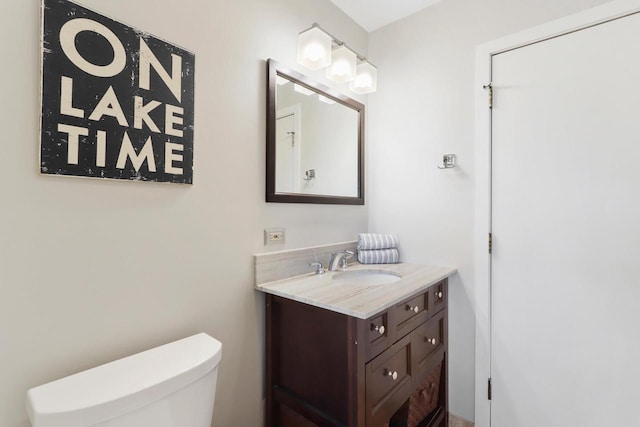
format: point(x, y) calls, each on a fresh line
point(315, 141)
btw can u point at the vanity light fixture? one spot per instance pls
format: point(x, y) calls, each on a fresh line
point(318, 49)
point(303, 90)
point(343, 65)
point(326, 100)
point(314, 48)
point(281, 81)
point(366, 80)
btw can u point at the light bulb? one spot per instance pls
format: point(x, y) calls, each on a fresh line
point(314, 48)
point(343, 67)
point(314, 52)
point(366, 80)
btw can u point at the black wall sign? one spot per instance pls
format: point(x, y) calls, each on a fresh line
point(116, 102)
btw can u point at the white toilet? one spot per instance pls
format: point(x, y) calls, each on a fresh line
point(169, 386)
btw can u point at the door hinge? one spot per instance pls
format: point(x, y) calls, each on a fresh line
point(490, 243)
point(489, 389)
point(489, 87)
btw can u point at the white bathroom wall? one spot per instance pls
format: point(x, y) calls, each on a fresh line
point(424, 108)
point(94, 270)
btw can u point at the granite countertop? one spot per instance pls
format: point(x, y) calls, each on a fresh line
point(353, 299)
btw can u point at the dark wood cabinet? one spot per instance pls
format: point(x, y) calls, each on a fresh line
point(329, 369)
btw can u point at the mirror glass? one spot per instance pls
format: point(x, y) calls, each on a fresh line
point(314, 141)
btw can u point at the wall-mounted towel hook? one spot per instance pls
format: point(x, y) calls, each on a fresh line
point(310, 174)
point(448, 161)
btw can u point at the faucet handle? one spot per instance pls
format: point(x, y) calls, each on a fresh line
point(345, 258)
point(319, 267)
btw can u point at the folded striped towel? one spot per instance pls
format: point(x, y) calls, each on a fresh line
point(379, 256)
point(368, 241)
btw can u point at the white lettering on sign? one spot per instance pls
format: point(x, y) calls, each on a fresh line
point(66, 99)
point(73, 139)
point(141, 114)
point(172, 118)
point(128, 152)
point(70, 31)
point(148, 60)
point(170, 156)
point(109, 106)
point(101, 149)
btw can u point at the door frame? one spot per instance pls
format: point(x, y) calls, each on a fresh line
point(484, 53)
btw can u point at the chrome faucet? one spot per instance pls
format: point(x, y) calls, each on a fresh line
point(318, 266)
point(340, 258)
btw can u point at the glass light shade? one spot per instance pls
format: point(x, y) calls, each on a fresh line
point(366, 80)
point(281, 81)
point(326, 100)
point(314, 48)
point(343, 65)
point(302, 90)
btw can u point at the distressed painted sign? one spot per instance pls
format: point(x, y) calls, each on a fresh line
point(116, 102)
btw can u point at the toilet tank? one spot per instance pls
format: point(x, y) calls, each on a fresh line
point(168, 386)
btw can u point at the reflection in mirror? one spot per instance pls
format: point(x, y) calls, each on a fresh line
point(317, 154)
point(314, 142)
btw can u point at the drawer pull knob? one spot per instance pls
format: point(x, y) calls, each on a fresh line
point(431, 341)
point(439, 294)
point(380, 329)
point(415, 309)
point(393, 375)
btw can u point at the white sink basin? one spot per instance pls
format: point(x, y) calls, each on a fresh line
point(366, 277)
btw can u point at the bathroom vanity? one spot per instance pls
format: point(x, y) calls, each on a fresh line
point(354, 352)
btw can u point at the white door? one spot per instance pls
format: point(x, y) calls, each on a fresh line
point(565, 287)
point(288, 139)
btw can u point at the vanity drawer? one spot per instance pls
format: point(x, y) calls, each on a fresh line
point(428, 342)
point(388, 382)
point(411, 313)
point(379, 332)
point(438, 296)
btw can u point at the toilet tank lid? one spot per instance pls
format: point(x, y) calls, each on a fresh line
point(122, 386)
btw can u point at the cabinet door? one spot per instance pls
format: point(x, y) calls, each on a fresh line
point(389, 382)
point(428, 342)
point(424, 403)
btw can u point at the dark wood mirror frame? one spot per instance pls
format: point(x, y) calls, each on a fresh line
point(274, 70)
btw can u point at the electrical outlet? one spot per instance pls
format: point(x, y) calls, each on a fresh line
point(273, 236)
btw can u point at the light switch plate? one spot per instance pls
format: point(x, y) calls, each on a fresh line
point(273, 236)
